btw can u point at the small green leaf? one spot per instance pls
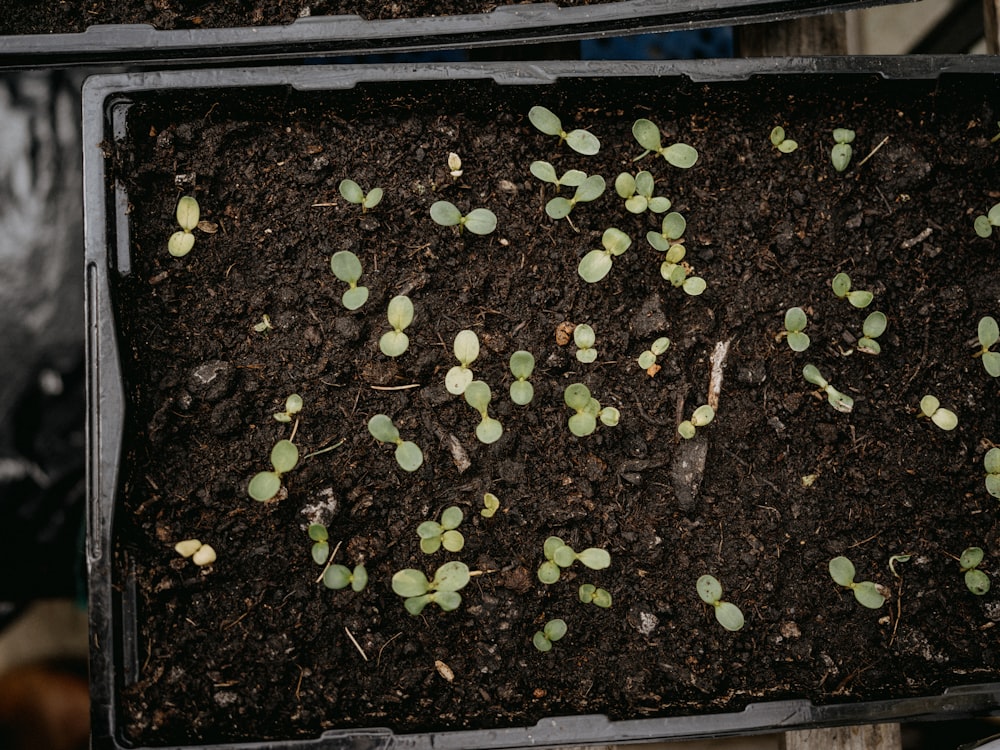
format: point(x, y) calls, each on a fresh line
point(945, 419)
point(451, 576)
point(583, 142)
point(180, 244)
point(680, 155)
point(977, 582)
point(981, 225)
point(625, 185)
point(359, 578)
point(346, 266)
point(582, 424)
point(188, 214)
point(868, 595)
point(351, 191)
point(318, 533)
point(841, 285)
point(445, 214)
point(860, 300)
point(555, 629)
point(521, 392)
point(590, 189)
point(336, 577)
point(777, 135)
point(548, 572)
point(489, 431)
point(430, 545)
point(843, 135)
point(694, 285)
point(787, 146)
point(320, 553)
point(264, 486)
point(457, 380)
point(481, 221)
point(610, 416)
point(564, 556)
point(522, 364)
point(415, 604)
point(453, 541)
point(540, 642)
point(584, 336)
point(673, 226)
point(659, 204)
point(795, 319)
point(729, 616)
point(993, 485)
point(393, 343)
point(798, 342)
point(430, 530)
point(400, 312)
point(545, 120)
point(991, 461)
point(840, 156)
point(558, 208)
point(373, 198)
point(988, 332)
point(874, 325)
point(647, 359)
point(544, 172)
point(284, 456)
point(839, 401)
point(478, 395)
point(409, 456)
point(647, 134)
point(595, 266)
point(550, 546)
point(971, 558)
point(660, 345)
point(812, 375)
point(354, 298)
point(842, 571)
point(573, 178)
point(410, 582)
point(491, 505)
point(615, 241)
point(702, 415)
point(382, 429)
point(466, 347)
point(577, 396)
point(594, 558)
point(929, 405)
point(869, 346)
point(686, 430)
point(709, 589)
point(993, 216)
point(644, 183)
point(448, 601)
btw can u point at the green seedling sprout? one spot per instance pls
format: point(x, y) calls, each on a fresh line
point(842, 288)
point(590, 594)
point(701, 417)
point(265, 485)
point(346, 267)
point(454, 165)
point(647, 359)
point(638, 193)
point(400, 314)
point(293, 405)
point(478, 396)
point(264, 325)
point(434, 535)
point(996, 138)
point(522, 364)
point(442, 590)
point(584, 337)
point(648, 135)
point(795, 323)
point(466, 350)
point(353, 193)
point(871, 329)
point(581, 141)
point(867, 593)
point(975, 580)
point(840, 154)
point(984, 223)
point(188, 213)
point(728, 614)
point(596, 264)
point(560, 555)
point(943, 418)
point(678, 273)
point(477, 221)
point(491, 504)
point(408, 455)
point(340, 577)
point(547, 173)
point(778, 140)
point(588, 411)
point(590, 189)
point(839, 401)
point(552, 632)
point(988, 334)
point(897, 559)
point(671, 230)
point(321, 543)
point(991, 462)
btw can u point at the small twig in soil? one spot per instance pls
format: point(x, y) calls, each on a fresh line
point(378, 659)
point(329, 562)
point(872, 153)
point(395, 387)
point(294, 430)
point(324, 450)
point(323, 205)
point(356, 644)
point(864, 541)
point(718, 360)
point(298, 685)
point(899, 610)
point(907, 244)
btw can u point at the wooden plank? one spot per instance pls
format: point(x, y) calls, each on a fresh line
point(815, 35)
point(991, 11)
point(867, 737)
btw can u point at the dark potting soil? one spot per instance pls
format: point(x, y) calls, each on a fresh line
point(254, 647)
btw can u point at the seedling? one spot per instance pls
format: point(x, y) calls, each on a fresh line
point(596, 264)
point(547, 173)
point(678, 273)
point(991, 462)
point(293, 405)
point(638, 193)
point(340, 577)
point(984, 223)
point(647, 360)
point(522, 364)
point(671, 230)
point(842, 288)
point(943, 418)
point(478, 396)
point(434, 535)
point(200, 554)
point(871, 329)
point(840, 154)
point(321, 543)
point(581, 141)
point(988, 335)
point(701, 417)
point(728, 614)
point(778, 140)
point(443, 589)
point(590, 189)
point(266, 484)
point(590, 594)
point(867, 593)
point(552, 632)
point(588, 411)
point(839, 401)
point(400, 315)
point(353, 193)
point(188, 212)
point(491, 504)
point(975, 580)
point(584, 338)
point(648, 135)
point(560, 555)
point(408, 455)
point(477, 221)
point(264, 325)
point(795, 323)
point(346, 267)
point(466, 350)
point(454, 165)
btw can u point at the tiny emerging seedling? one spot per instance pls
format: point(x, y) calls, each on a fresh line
point(434, 535)
point(400, 314)
point(559, 555)
point(839, 401)
point(346, 267)
point(984, 223)
point(522, 364)
point(581, 141)
point(353, 193)
point(584, 338)
point(454, 165)
point(408, 455)
point(590, 189)
point(991, 462)
point(795, 323)
point(321, 543)
point(590, 594)
point(638, 193)
point(988, 334)
point(588, 411)
point(443, 589)
point(678, 273)
point(293, 405)
point(671, 230)
point(200, 554)
point(975, 580)
point(264, 325)
point(677, 154)
point(552, 632)
point(188, 213)
point(701, 417)
point(596, 264)
point(871, 329)
point(265, 485)
point(466, 350)
point(778, 140)
point(340, 577)
point(647, 360)
point(491, 504)
point(547, 173)
point(477, 221)
point(728, 614)
point(842, 288)
point(478, 396)
point(943, 418)
point(840, 154)
point(867, 593)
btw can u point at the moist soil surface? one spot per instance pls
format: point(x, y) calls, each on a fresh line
point(253, 647)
